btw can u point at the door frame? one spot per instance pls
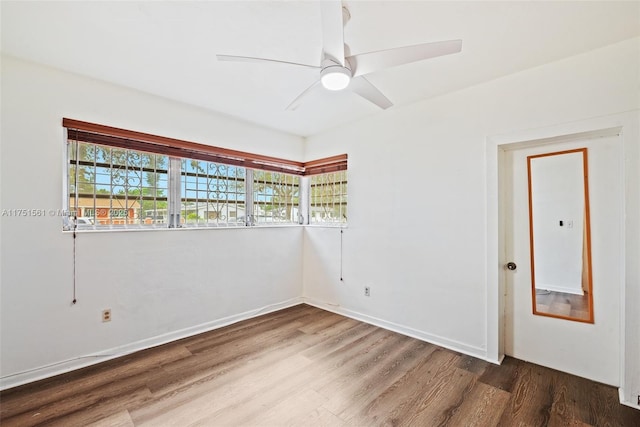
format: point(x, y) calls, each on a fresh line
point(625, 125)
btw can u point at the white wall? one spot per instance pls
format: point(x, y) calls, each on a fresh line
point(159, 284)
point(557, 186)
point(418, 202)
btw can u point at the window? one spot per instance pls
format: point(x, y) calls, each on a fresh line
point(212, 194)
point(114, 186)
point(275, 197)
point(117, 188)
point(328, 198)
point(124, 179)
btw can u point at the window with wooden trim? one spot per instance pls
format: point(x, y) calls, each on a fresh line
point(328, 198)
point(124, 179)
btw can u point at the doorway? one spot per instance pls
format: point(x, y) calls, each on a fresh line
point(590, 350)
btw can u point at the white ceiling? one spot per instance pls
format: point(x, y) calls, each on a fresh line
point(168, 48)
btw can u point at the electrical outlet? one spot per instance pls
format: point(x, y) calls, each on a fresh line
point(367, 291)
point(106, 315)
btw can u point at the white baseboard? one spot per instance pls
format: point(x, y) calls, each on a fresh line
point(457, 346)
point(625, 402)
point(83, 361)
point(558, 288)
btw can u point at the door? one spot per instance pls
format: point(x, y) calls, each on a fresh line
point(589, 350)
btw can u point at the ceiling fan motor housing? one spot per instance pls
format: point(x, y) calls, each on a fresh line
point(335, 76)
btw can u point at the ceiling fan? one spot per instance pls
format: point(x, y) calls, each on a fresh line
point(338, 70)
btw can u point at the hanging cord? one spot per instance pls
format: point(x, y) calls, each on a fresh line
point(341, 235)
point(75, 215)
point(74, 266)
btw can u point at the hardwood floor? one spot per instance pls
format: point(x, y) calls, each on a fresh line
point(307, 367)
point(563, 304)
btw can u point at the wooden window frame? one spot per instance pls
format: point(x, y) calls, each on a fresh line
point(133, 140)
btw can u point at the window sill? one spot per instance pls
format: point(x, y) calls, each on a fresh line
point(148, 229)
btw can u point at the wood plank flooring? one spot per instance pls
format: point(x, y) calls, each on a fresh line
point(307, 367)
point(563, 304)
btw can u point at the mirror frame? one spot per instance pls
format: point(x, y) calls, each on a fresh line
point(587, 227)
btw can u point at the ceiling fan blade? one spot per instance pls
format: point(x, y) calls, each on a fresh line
point(332, 31)
point(365, 89)
point(262, 60)
point(296, 102)
point(366, 63)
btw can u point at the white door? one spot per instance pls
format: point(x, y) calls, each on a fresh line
point(584, 349)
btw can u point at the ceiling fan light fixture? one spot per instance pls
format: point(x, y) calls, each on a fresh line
point(335, 77)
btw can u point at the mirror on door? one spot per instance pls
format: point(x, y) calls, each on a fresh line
point(560, 236)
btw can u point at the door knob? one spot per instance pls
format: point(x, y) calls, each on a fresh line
point(511, 266)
